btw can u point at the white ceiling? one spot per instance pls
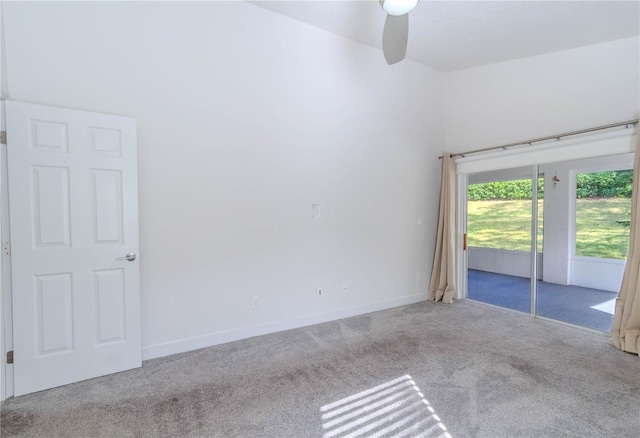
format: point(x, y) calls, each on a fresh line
point(453, 35)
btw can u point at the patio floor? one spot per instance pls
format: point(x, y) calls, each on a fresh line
point(582, 306)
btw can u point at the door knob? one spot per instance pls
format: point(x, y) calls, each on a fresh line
point(129, 257)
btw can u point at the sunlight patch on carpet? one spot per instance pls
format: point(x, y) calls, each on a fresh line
point(608, 306)
point(394, 409)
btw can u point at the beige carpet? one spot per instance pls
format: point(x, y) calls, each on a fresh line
point(464, 370)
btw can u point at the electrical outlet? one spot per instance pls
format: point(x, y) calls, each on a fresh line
point(319, 292)
point(419, 222)
point(345, 288)
point(255, 302)
point(418, 276)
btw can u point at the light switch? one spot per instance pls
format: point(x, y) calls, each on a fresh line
point(316, 210)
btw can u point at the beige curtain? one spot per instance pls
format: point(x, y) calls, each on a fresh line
point(443, 275)
point(626, 320)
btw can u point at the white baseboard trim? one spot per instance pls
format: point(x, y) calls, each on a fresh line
point(189, 344)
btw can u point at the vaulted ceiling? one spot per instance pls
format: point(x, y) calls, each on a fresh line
point(453, 35)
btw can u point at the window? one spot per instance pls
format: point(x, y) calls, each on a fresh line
point(603, 212)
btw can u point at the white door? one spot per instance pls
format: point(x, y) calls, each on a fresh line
point(73, 201)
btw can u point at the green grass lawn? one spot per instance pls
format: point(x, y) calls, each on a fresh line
point(506, 224)
point(597, 233)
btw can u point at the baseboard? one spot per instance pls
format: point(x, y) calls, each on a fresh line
point(184, 345)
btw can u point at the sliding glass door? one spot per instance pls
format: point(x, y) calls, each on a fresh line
point(499, 232)
point(573, 217)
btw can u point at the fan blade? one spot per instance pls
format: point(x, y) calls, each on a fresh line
point(395, 38)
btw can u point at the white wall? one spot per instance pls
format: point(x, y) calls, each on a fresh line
point(596, 273)
point(245, 117)
point(503, 261)
point(542, 95)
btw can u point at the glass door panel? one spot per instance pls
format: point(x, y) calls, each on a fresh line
point(587, 214)
point(499, 212)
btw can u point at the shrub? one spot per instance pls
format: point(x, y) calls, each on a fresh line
point(518, 189)
point(616, 184)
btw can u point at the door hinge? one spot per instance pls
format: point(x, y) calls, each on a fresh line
point(464, 242)
point(3, 137)
point(9, 357)
point(6, 248)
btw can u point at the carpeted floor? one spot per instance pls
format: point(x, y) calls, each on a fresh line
point(573, 304)
point(466, 370)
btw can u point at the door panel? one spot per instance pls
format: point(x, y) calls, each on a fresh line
point(499, 228)
point(55, 309)
point(588, 208)
point(107, 206)
point(73, 213)
point(50, 192)
point(110, 305)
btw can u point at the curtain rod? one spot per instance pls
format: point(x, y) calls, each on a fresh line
point(551, 137)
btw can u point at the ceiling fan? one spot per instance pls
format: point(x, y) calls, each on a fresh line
point(396, 29)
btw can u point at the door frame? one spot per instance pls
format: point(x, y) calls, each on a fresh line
point(6, 298)
point(462, 261)
point(6, 315)
point(461, 231)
